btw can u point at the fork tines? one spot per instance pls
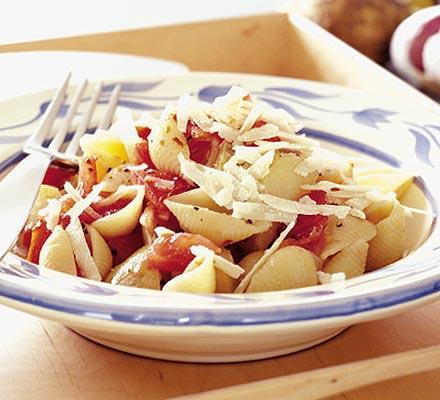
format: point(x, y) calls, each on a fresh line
point(38, 140)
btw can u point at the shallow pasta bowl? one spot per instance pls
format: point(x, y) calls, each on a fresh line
point(226, 328)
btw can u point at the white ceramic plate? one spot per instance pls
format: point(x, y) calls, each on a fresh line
point(225, 328)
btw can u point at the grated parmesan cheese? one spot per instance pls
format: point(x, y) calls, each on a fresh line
point(82, 204)
point(295, 207)
point(51, 213)
point(81, 250)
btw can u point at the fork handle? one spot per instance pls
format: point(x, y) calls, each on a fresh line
point(18, 190)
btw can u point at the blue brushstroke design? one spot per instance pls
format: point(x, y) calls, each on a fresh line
point(42, 110)
point(11, 161)
point(426, 129)
point(285, 107)
point(210, 93)
point(136, 105)
point(422, 147)
point(304, 94)
point(352, 144)
point(372, 116)
point(133, 86)
point(89, 288)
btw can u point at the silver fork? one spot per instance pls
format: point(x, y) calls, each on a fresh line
point(19, 188)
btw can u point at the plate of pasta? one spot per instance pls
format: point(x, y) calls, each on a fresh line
point(229, 217)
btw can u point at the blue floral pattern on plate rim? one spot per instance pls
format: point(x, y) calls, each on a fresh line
point(414, 278)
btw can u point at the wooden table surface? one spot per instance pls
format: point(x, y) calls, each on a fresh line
point(41, 359)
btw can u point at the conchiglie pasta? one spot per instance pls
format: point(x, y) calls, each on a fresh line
point(386, 179)
point(199, 198)
point(100, 250)
point(250, 260)
point(217, 226)
point(288, 268)
point(134, 271)
point(344, 232)
point(379, 210)
point(222, 197)
point(282, 180)
point(147, 221)
point(125, 220)
point(57, 253)
point(224, 283)
point(165, 143)
point(351, 260)
point(261, 241)
point(198, 277)
point(388, 244)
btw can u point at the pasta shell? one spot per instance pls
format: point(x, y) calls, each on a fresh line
point(57, 253)
point(101, 252)
point(219, 227)
point(379, 210)
point(288, 268)
point(125, 220)
point(199, 198)
point(249, 260)
point(134, 271)
point(224, 283)
point(344, 232)
point(165, 143)
point(384, 178)
point(260, 241)
point(198, 277)
point(388, 244)
point(282, 180)
point(350, 260)
point(148, 224)
point(81, 250)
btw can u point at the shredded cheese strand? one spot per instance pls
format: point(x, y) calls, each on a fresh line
point(82, 204)
point(241, 288)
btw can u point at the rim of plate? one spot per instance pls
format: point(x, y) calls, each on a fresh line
point(411, 279)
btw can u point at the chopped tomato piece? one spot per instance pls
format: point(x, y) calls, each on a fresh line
point(123, 246)
point(58, 175)
point(204, 147)
point(87, 216)
point(143, 131)
point(173, 254)
point(258, 123)
point(309, 230)
point(108, 209)
point(205, 150)
point(160, 185)
point(142, 153)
